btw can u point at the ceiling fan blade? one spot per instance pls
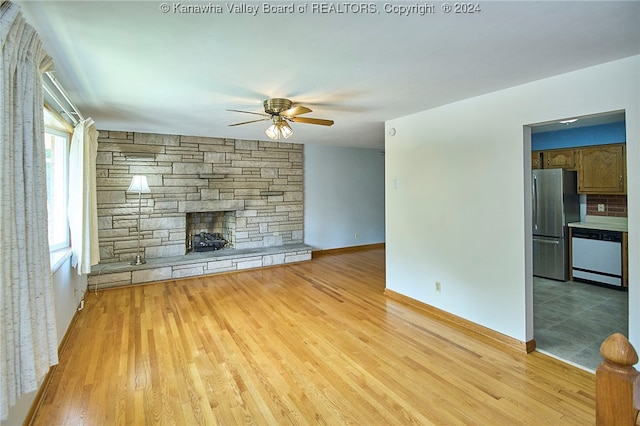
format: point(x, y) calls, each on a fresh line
point(307, 120)
point(249, 112)
point(296, 110)
point(252, 121)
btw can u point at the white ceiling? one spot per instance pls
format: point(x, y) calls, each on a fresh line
point(131, 67)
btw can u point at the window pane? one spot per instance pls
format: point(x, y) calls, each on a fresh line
point(56, 145)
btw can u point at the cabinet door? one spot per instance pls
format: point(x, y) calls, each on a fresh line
point(536, 159)
point(602, 169)
point(560, 159)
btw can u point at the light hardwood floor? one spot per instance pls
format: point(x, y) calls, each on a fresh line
point(310, 343)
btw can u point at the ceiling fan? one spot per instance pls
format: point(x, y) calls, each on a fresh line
point(280, 111)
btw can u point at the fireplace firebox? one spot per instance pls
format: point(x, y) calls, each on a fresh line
point(209, 231)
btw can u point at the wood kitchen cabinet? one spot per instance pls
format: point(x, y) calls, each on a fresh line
point(559, 159)
point(536, 159)
point(554, 159)
point(601, 169)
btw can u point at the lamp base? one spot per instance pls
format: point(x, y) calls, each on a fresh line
point(139, 261)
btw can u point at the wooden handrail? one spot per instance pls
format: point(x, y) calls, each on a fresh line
point(615, 382)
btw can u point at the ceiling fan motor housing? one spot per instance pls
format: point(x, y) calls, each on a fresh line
point(276, 105)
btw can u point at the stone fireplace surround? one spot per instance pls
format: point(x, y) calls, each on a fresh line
point(259, 183)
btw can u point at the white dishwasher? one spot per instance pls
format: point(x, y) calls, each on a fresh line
point(596, 256)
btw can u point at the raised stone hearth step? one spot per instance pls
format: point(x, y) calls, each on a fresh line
point(109, 275)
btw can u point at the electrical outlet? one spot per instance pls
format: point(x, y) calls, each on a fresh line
point(600, 207)
point(355, 235)
point(438, 287)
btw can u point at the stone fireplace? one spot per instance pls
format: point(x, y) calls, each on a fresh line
point(251, 192)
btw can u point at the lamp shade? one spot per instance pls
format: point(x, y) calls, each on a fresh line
point(273, 132)
point(286, 130)
point(139, 184)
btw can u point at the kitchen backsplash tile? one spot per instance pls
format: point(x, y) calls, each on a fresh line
point(614, 205)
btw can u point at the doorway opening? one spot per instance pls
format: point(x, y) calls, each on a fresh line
point(571, 316)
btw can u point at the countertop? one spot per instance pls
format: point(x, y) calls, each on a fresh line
point(602, 222)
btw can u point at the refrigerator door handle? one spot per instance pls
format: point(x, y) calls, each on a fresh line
point(535, 203)
point(545, 241)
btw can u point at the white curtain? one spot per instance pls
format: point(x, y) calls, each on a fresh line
point(28, 341)
point(83, 206)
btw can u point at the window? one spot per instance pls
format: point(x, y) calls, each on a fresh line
point(57, 154)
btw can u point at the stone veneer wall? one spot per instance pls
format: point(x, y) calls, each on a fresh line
point(261, 181)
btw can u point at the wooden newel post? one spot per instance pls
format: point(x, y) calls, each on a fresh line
point(615, 381)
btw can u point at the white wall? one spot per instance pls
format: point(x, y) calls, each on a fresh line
point(344, 195)
point(461, 213)
point(65, 283)
point(68, 289)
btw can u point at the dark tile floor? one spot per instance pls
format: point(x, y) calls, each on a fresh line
point(571, 319)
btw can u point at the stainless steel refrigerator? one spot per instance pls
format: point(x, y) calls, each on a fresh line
point(555, 203)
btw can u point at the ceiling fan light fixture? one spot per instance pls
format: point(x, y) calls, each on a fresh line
point(279, 129)
point(273, 132)
point(285, 129)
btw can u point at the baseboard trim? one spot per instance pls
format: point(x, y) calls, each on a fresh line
point(341, 250)
point(42, 390)
point(470, 327)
